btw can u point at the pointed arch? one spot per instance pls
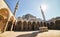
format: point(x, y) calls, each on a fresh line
point(4, 14)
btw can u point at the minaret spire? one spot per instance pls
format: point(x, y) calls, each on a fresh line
point(16, 8)
point(42, 14)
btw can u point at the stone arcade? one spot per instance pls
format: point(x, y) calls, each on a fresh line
point(7, 19)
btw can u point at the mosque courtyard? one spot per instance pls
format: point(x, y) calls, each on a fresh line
point(50, 33)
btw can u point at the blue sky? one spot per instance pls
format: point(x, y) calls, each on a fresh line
point(33, 7)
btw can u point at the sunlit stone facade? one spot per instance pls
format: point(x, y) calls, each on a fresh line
point(6, 16)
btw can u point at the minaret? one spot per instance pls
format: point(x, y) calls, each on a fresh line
point(43, 14)
point(16, 8)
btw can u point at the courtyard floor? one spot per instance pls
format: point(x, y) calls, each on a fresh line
point(50, 33)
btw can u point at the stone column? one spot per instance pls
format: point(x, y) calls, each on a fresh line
point(12, 26)
point(22, 26)
point(6, 26)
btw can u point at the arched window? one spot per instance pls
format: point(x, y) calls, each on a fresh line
point(25, 25)
point(29, 25)
point(57, 22)
point(52, 26)
point(33, 25)
point(19, 26)
point(38, 25)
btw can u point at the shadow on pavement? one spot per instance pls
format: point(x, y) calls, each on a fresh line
point(29, 35)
